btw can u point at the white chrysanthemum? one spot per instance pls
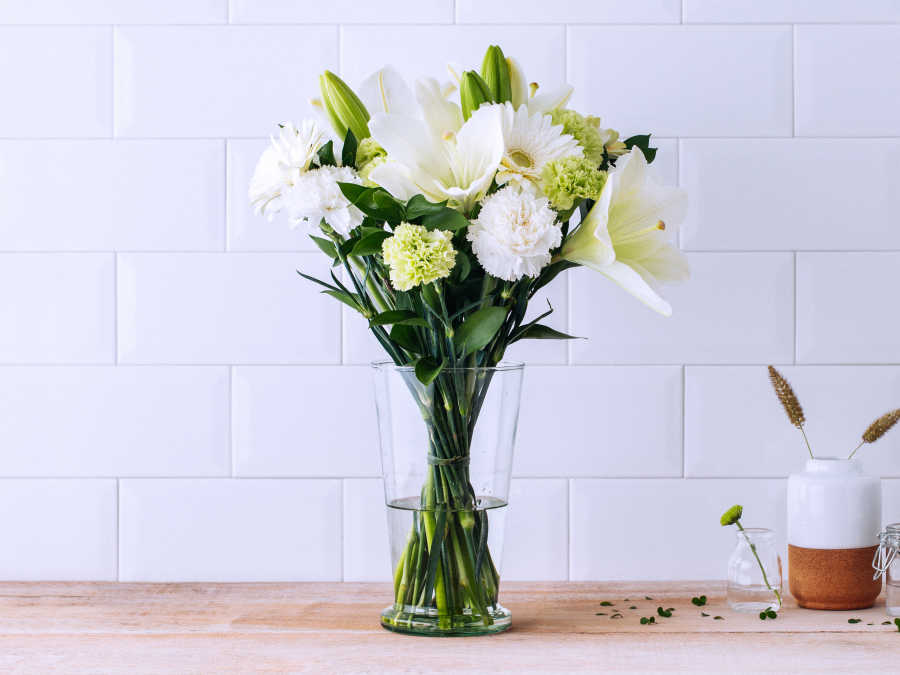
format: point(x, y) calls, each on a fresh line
point(315, 195)
point(288, 156)
point(531, 141)
point(514, 234)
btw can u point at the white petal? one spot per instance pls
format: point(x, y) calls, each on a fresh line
point(479, 145)
point(633, 283)
point(442, 116)
point(517, 83)
point(407, 141)
point(386, 91)
point(553, 99)
point(394, 178)
point(667, 264)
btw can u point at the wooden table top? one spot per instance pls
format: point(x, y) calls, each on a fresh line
point(215, 628)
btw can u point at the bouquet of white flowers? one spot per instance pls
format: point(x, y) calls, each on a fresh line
point(446, 213)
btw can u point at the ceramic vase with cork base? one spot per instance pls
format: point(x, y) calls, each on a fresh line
point(834, 518)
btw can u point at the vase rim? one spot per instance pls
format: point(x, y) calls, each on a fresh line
point(500, 367)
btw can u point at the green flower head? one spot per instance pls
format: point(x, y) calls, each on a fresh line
point(732, 515)
point(570, 178)
point(418, 256)
point(585, 130)
point(367, 151)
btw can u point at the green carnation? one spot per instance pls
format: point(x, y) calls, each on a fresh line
point(732, 515)
point(570, 178)
point(585, 130)
point(367, 151)
point(418, 256)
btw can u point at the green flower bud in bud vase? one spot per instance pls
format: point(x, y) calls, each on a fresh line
point(473, 91)
point(345, 110)
point(732, 515)
point(495, 71)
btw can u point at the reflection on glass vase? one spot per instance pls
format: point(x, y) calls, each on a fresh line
point(754, 571)
point(446, 452)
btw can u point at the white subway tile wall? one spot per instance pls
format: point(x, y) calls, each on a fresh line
point(176, 403)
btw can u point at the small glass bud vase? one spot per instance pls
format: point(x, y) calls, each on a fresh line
point(754, 571)
point(887, 564)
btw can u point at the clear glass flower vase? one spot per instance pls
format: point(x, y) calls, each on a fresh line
point(754, 571)
point(446, 452)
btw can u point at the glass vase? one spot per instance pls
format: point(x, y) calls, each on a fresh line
point(446, 453)
point(754, 571)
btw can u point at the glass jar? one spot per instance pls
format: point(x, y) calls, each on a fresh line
point(754, 571)
point(887, 562)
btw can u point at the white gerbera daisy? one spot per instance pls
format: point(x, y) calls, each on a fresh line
point(288, 156)
point(531, 141)
point(315, 195)
point(514, 233)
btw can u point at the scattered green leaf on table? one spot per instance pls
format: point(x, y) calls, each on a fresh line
point(699, 601)
point(853, 620)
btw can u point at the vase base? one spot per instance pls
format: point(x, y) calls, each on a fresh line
point(416, 621)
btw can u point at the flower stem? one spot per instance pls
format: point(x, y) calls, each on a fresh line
point(807, 443)
point(759, 562)
point(855, 449)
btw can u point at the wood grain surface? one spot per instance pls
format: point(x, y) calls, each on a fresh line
point(333, 628)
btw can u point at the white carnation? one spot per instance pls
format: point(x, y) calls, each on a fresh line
point(315, 195)
point(280, 165)
point(514, 234)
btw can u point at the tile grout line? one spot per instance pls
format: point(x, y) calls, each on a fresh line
point(341, 547)
point(229, 432)
point(112, 80)
point(115, 290)
point(226, 170)
point(796, 330)
point(569, 528)
point(118, 533)
point(794, 91)
point(683, 418)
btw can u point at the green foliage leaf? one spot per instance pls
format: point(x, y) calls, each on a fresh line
point(427, 368)
point(405, 336)
point(370, 244)
point(348, 152)
point(478, 329)
point(349, 299)
point(326, 246)
point(375, 202)
point(538, 331)
point(326, 155)
point(463, 266)
point(550, 272)
point(446, 219)
point(399, 316)
point(642, 141)
point(432, 300)
point(419, 206)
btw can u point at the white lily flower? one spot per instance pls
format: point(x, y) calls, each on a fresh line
point(386, 91)
point(458, 167)
point(628, 235)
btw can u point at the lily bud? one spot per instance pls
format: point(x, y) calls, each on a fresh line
point(518, 85)
point(495, 72)
point(473, 91)
point(345, 110)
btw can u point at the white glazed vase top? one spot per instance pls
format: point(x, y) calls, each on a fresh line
point(831, 504)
